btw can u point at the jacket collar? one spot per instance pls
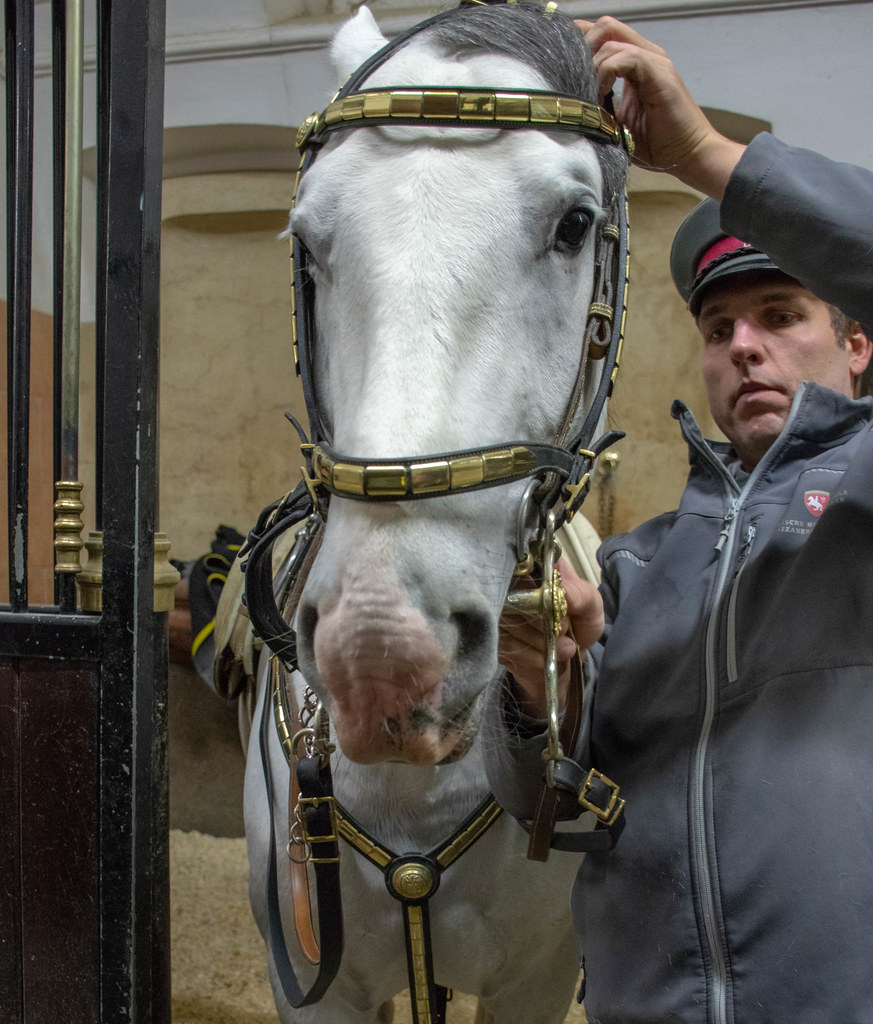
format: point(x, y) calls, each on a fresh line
point(818, 416)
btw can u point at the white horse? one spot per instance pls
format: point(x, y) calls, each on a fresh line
point(453, 269)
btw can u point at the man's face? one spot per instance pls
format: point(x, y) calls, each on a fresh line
point(763, 334)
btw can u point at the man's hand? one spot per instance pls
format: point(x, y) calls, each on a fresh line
point(522, 645)
point(670, 131)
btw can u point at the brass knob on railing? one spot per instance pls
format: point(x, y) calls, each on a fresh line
point(68, 526)
point(90, 579)
point(166, 575)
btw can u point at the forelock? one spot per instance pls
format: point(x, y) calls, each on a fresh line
point(553, 46)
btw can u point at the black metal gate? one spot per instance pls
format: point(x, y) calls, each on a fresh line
point(84, 894)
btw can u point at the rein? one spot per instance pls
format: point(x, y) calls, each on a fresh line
point(560, 475)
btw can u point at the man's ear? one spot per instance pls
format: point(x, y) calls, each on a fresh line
point(860, 349)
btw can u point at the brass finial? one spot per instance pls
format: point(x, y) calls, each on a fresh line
point(68, 526)
point(90, 579)
point(166, 575)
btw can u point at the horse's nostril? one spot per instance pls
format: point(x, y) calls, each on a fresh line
point(475, 629)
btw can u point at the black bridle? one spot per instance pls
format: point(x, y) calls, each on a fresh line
point(560, 471)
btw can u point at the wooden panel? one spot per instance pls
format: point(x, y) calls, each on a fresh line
point(49, 901)
point(10, 851)
point(40, 574)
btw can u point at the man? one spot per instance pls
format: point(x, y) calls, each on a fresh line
point(763, 333)
point(733, 694)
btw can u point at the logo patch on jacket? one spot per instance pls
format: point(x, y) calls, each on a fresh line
point(816, 489)
point(816, 502)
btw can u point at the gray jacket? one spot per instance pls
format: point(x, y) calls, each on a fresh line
point(734, 704)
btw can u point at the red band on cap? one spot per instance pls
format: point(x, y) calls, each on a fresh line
point(722, 246)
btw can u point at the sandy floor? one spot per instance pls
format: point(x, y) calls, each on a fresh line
point(219, 975)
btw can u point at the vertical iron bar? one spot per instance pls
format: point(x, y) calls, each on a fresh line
point(72, 264)
point(72, 269)
point(65, 586)
point(102, 219)
point(19, 218)
point(133, 826)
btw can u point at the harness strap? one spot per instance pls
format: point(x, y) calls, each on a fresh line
point(575, 493)
point(616, 291)
point(460, 107)
point(600, 340)
point(426, 1008)
point(267, 621)
point(319, 822)
point(300, 898)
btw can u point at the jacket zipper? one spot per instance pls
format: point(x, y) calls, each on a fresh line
point(727, 525)
point(701, 866)
point(699, 829)
point(725, 545)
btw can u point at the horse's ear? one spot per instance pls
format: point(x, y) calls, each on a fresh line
point(357, 39)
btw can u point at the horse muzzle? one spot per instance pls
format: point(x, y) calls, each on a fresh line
point(399, 684)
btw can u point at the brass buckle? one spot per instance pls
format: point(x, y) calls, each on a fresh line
point(310, 840)
point(610, 813)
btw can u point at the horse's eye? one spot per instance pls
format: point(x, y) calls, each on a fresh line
point(572, 229)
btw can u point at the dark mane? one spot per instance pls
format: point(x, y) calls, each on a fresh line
point(553, 46)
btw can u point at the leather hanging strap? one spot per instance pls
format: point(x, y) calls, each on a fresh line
point(318, 818)
point(298, 870)
point(300, 898)
point(543, 822)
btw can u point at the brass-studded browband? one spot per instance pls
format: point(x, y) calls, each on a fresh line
point(463, 107)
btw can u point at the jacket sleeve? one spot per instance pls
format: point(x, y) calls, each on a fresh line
point(812, 215)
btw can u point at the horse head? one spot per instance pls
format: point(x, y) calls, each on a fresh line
point(452, 270)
